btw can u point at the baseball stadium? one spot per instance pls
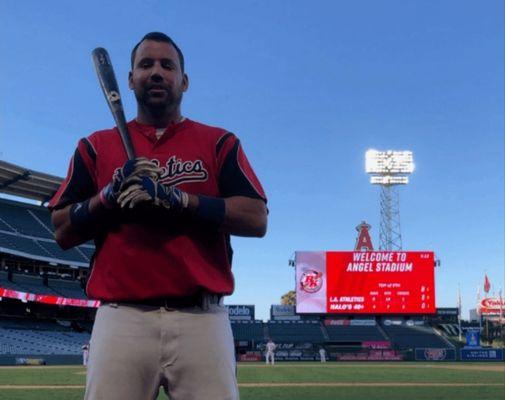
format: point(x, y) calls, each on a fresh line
point(384, 339)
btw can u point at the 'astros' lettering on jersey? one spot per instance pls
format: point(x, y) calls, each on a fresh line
point(144, 255)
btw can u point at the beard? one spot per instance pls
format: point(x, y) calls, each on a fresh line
point(159, 103)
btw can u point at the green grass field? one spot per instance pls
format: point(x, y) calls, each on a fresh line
point(298, 381)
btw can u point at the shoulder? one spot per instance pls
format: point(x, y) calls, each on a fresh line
point(102, 134)
point(101, 139)
point(212, 132)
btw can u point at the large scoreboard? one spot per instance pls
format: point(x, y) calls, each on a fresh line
point(365, 282)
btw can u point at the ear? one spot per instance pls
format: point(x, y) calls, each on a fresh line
point(185, 82)
point(130, 80)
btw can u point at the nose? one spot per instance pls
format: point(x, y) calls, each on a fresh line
point(156, 73)
point(156, 77)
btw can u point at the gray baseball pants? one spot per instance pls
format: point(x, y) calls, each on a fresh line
point(135, 350)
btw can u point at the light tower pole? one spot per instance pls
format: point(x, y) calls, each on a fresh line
point(389, 169)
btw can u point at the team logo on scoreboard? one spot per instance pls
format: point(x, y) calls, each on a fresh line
point(311, 281)
point(435, 354)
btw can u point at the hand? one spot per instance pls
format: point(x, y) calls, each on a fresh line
point(131, 172)
point(150, 191)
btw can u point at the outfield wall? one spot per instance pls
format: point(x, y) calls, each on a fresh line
point(49, 359)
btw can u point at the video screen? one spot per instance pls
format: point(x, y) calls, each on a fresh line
point(365, 282)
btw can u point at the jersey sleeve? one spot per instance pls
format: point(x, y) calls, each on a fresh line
point(236, 176)
point(80, 183)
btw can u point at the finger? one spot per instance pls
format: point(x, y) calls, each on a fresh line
point(128, 191)
point(148, 171)
point(131, 181)
point(126, 199)
point(140, 197)
point(131, 166)
point(135, 198)
point(146, 164)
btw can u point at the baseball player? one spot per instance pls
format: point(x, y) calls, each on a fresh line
point(270, 353)
point(161, 224)
point(85, 354)
point(322, 354)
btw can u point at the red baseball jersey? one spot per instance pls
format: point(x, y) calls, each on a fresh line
point(142, 254)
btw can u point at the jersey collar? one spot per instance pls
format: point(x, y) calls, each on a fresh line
point(149, 131)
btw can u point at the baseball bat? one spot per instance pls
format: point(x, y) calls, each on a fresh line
point(110, 89)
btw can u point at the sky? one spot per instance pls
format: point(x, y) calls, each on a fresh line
point(308, 87)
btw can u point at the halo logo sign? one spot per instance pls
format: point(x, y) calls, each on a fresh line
point(311, 281)
point(435, 354)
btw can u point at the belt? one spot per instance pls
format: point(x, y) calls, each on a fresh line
point(198, 300)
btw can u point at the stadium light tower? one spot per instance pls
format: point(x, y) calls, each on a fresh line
point(389, 169)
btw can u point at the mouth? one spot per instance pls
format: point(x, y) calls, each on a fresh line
point(157, 91)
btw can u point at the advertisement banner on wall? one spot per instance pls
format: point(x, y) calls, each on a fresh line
point(376, 344)
point(435, 354)
point(371, 355)
point(48, 299)
point(250, 357)
point(294, 355)
point(492, 306)
point(363, 322)
point(365, 282)
point(481, 354)
point(472, 337)
point(240, 312)
point(337, 322)
point(447, 311)
point(282, 310)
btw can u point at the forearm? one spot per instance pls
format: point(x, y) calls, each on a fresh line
point(243, 216)
point(80, 222)
point(68, 234)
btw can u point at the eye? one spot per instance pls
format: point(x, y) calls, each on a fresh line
point(146, 63)
point(168, 64)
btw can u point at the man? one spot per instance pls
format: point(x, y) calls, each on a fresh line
point(270, 354)
point(161, 225)
point(322, 354)
point(85, 354)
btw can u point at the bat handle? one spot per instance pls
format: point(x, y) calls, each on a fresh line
point(125, 135)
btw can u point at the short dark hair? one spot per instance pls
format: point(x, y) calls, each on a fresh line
point(159, 37)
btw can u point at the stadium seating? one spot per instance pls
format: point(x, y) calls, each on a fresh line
point(88, 249)
point(25, 323)
point(26, 229)
point(43, 217)
point(64, 288)
point(349, 333)
point(417, 336)
point(22, 244)
point(450, 329)
point(248, 330)
point(22, 220)
point(37, 337)
point(5, 227)
point(16, 341)
point(55, 251)
point(34, 284)
point(296, 331)
point(26, 283)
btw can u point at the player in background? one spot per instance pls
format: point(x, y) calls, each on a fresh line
point(322, 354)
point(270, 352)
point(85, 354)
point(161, 225)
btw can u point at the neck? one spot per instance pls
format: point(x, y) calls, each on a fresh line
point(159, 120)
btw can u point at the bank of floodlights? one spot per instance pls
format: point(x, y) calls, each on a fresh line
point(389, 169)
